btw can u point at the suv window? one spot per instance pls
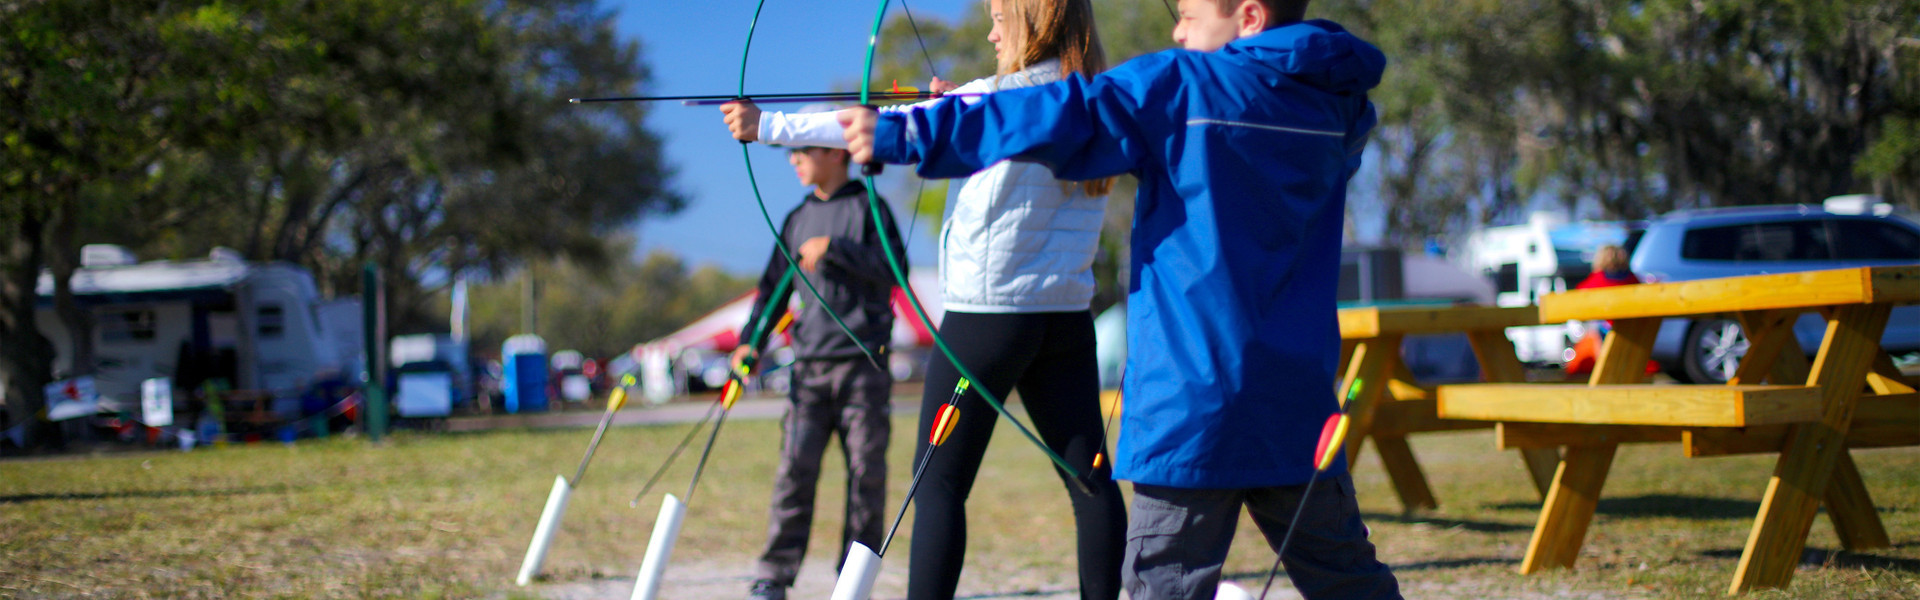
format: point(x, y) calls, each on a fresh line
point(1633, 240)
point(1870, 240)
point(1787, 241)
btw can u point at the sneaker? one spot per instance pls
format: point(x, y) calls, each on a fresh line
point(766, 589)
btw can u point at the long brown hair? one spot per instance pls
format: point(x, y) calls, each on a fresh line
point(1060, 29)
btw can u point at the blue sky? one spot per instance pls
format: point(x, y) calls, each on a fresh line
point(694, 48)
point(801, 46)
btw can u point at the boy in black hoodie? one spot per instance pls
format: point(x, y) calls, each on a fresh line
point(836, 391)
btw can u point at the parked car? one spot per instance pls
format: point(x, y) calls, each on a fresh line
point(1726, 242)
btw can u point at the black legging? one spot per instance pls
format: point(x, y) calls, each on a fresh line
point(1049, 358)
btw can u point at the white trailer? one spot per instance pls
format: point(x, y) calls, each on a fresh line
point(260, 326)
point(1544, 256)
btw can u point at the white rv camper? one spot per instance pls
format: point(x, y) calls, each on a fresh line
point(259, 326)
point(1544, 256)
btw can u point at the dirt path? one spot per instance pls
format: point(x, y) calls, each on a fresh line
point(711, 581)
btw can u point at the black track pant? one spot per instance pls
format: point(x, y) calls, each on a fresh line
point(1049, 358)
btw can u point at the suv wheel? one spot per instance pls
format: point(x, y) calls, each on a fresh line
point(1713, 351)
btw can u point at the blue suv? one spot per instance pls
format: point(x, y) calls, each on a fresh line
point(1727, 242)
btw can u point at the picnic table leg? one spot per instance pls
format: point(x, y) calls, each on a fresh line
point(1801, 475)
point(1850, 508)
point(1848, 503)
point(1583, 472)
point(1569, 508)
point(1499, 364)
point(1541, 465)
point(1887, 379)
point(1775, 355)
point(1404, 471)
point(1770, 335)
point(1363, 387)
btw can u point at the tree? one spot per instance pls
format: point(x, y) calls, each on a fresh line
point(428, 136)
point(88, 93)
point(1636, 108)
point(602, 310)
point(433, 138)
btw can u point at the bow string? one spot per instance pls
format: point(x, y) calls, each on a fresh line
point(779, 242)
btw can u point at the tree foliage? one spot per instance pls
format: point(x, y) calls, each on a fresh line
point(430, 137)
point(1632, 108)
point(433, 138)
point(601, 310)
point(1614, 108)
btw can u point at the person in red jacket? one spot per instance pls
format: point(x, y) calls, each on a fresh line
point(1609, 269)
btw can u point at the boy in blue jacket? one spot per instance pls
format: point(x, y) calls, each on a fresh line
point(1243, 143)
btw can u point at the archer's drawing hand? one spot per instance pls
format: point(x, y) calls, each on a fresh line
point(859, 123)
point(941, 86)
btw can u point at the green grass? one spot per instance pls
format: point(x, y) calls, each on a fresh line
point(449, 516)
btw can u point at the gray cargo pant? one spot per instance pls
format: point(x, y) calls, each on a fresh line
point(847, 399)
point(1178, 540)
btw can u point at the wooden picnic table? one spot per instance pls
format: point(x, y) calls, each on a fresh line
point(1385, 402)
point(1807, 414)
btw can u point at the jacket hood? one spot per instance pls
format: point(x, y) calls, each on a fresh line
point(1319, 53)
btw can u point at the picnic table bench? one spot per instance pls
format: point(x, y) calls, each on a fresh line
point(1809, 414)
point(1385, 402)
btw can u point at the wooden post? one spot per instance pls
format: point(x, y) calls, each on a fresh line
point(1365, 385)
point(1812, 453)
point(1850, 508)
point(1768, 335)
point(1775, 354)
point(373, 310)
point(1569, 508)
point(1409, 482)
point(1575, 494)
point(1404, 470)
point(1499, 364)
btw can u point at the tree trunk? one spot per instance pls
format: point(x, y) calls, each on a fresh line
point(63, 260)
point(26, 357)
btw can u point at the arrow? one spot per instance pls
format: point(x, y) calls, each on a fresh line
point(863, 564)
point(943, 424)
point(666, 528)
point(894, 94)
point(1333, 436)
point(556, 508)
point(655, 478)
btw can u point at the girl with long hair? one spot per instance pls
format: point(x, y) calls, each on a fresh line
point(1016, 258)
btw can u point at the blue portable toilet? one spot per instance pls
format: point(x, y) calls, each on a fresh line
point(523, 362)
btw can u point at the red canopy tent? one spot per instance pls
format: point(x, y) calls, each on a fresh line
point(719, 330)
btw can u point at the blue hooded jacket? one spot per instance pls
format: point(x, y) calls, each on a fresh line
point(1243, 157)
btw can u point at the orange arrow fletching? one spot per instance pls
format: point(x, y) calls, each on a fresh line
point(1332, 437)
point(943, 424)
point(785, 320)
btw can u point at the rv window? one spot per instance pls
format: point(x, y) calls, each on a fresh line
point(1507, 278)
point(272, 321)
point(126, 326)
